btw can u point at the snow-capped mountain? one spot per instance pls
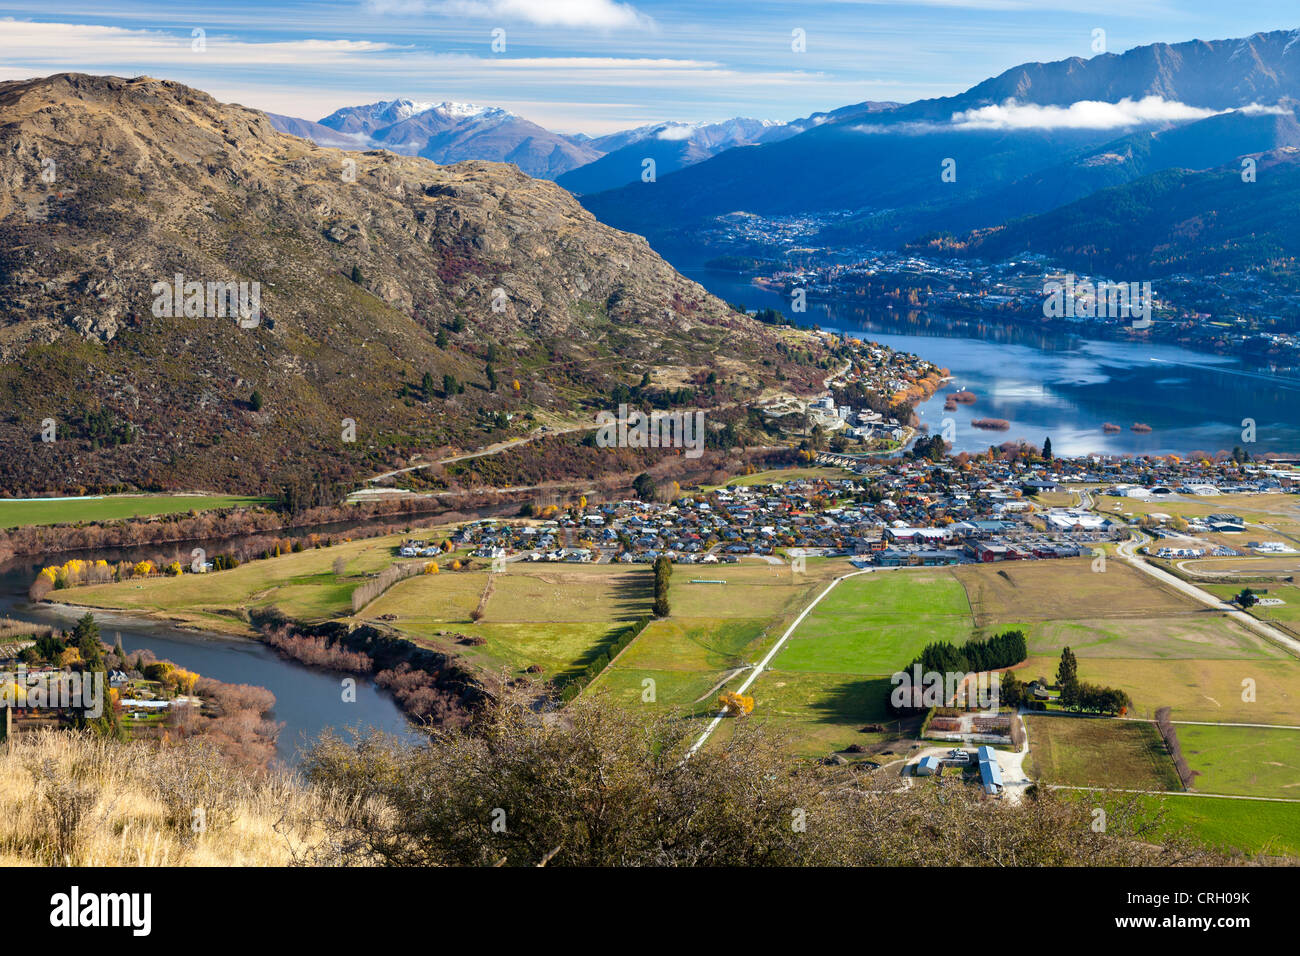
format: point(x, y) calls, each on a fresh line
point(447, 132)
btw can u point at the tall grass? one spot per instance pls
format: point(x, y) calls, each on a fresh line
point(75, 799)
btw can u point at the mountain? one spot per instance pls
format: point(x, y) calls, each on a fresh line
point(446, 133)
point(318, 134)
point(1173, 221)
point(672, 146)
point(1198, 145)
point(886, 165)
point(375, 270)
point(675, 146)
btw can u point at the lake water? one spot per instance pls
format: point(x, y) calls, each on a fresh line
point(1059, 384)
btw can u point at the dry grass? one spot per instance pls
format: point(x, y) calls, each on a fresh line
point(72, 799)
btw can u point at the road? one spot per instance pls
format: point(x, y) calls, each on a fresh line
point(1265, 630)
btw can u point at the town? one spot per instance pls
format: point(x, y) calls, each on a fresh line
point(901, 512)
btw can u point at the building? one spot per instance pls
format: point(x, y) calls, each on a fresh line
point(990, 772)
point(928, 766)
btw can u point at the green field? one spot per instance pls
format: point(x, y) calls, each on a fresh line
point(302, 585)
point(17, 513)
point(715, 631)
point(1246, 826)
point(1246, 761)
point(877, 623)
point(832, 677)
point(1099, 752)
point(553, 617)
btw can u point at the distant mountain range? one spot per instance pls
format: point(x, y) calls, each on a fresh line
point(1036, 137)
point(455, 132)
point(445, 133)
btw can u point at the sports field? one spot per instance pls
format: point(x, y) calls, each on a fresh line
point(15, 513)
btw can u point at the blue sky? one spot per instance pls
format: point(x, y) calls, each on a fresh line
point(596, 65)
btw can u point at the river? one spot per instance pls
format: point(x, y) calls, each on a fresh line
point(1060, 384)
point(307, 701)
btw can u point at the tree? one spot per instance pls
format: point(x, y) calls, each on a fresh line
point(449, 385)
point(736, 705)
point(608, 785)
point(1067, 672)
point(426, 385)
point(1047, 449)
point(356, 275)
point(1246, 598)
point(440, 339)
point(255, 401)
point(644, 486)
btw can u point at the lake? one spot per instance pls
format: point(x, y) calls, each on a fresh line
point(1060, 384)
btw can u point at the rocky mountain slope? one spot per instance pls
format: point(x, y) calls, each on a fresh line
point(431, 306)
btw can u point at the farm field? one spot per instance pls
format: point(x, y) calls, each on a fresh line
point(832, 677)
point(777, 476)
point(1247, 826)
point(1195, 689)
point(302, 585)
point(18, 513)
point(1246, 761)
point(552, 617)
point(1018, 591)
point(821, 713)
point(1193, 634)
point(714, 631)
point(1099, 752)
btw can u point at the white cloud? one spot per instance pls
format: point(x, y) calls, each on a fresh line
point(600, 14)
point(1083, 114)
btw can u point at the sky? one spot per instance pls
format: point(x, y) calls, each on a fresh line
point(596, 66)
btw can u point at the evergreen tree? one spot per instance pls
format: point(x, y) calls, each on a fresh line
point(1047, 449)
point(1067, 672)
